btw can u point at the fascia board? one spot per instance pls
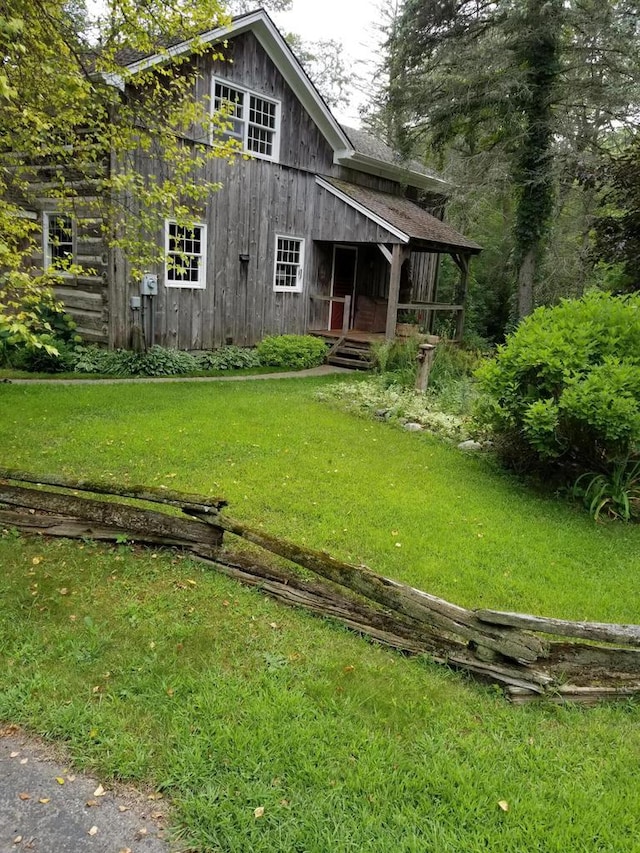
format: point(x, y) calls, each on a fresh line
point(374, 217)
point(363, 163)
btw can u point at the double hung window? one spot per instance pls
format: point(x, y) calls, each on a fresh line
point(289, 266)
point(186, 255)
point(251, 119)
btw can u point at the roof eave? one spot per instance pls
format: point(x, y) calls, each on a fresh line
point(352, 159)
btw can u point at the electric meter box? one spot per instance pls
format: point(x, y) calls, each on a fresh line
point(149, 286)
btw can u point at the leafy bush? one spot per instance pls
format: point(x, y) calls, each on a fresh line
point(295, 352)
point(95, 360)
point(40, 360)
point(565, 387)
point(229, 358)
point(32, 321)
point(157, 361)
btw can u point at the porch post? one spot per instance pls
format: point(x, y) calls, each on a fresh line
point(398, 257)
point(463, 263)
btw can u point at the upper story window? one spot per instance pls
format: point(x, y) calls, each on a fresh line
point(289, 267)
point(59, 241)
point(186, 255)
point(254, 120)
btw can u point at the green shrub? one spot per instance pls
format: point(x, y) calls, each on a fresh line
point(229, 358)
point(40, 360)
point(565, 387)
point(33, 323)
point(157, 361)
point(95, 360)
point(295, 352)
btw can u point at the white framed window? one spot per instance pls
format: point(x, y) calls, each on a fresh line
point(254, 120)
point(59, 241)
point(289, 266)
point(185, 255)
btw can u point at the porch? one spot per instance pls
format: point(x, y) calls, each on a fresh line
point(365, 286)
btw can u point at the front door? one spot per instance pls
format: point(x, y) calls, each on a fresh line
point(343, 283)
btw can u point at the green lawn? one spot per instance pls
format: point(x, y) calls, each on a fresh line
point(153, 669)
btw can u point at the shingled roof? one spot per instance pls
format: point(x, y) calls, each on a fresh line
point(405, 217)
point(372, 146)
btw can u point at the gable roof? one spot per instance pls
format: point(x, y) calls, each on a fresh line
point(352, 148)
point(400, 216)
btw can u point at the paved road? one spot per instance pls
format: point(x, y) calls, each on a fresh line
point(39, 814)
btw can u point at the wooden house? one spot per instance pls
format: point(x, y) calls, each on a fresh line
point(320, 229)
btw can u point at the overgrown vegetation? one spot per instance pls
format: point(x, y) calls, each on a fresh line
point(565, 389)
point(522, 104)
point(292, 352)
point(154, 671)
point(33, 323)
point(443, 410)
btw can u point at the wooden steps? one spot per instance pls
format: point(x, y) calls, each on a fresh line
point(345, 352)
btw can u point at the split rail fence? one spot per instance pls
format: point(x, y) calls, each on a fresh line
point(528, 656)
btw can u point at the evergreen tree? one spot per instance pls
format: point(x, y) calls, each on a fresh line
point(533, 85)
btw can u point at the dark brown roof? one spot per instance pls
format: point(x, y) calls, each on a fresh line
point(406, 216)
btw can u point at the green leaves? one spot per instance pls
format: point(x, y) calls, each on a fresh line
point(291, 351)
point(567, 383)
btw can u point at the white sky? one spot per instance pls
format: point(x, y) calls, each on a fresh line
point(352, 22)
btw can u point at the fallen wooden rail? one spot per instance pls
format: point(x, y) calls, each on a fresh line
point(503, 648)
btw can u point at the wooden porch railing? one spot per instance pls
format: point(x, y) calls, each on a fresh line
point(347, 307)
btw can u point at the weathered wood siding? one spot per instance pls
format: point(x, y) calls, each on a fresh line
point(248, 64)
point(84, 295)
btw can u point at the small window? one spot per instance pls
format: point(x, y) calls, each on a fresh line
point(59, 248)
point(253, 119)
point(289, 268)
point(186, 255)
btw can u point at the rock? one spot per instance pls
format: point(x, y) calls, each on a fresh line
point(470, 445)
point(381, 413)
point(412, 427)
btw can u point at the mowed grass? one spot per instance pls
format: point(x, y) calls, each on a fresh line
point(152, 669)
point(406, 505)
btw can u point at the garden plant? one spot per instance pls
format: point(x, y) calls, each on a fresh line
point(563, 395)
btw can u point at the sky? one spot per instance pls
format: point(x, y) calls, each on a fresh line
point(352, 22)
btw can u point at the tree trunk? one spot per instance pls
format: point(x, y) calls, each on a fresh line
point(526, 277)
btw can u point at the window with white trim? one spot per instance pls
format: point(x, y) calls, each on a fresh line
point(253, 119)
point(59, 241)
point(186, 255)
point(289, 265)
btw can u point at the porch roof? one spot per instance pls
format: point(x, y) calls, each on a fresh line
point(401, 217)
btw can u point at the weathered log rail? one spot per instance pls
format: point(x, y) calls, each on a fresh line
point(602, 661)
